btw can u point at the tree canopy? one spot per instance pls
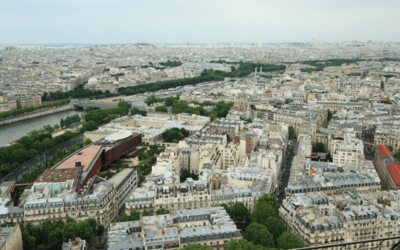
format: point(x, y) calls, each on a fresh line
point(161, 109)
point(172, 134)
point(258, 234)
point(319, 147)
point(289, 241)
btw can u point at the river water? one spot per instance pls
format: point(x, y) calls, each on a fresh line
point(14, 131)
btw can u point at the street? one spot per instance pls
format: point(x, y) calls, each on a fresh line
point(285, 173)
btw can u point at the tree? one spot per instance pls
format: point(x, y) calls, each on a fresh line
point(160, 211)
point(135, 111)
point(172, 134)
point(26, 141)
point(275, 226)
point(292, 132)
point(161, 109)
point(243, 244)
point(59, 154)
point(197, 247)
point(258, 234)
point(135, 215)
point(28, 241)
point(56, 127)
point(239, 212)
point(47, 228)
point(289, 241)
point(319, 147)
point(29, 227)
point(100, 230)
point(55, 239)
point(47, 144)
point(88, 141)
point(249, 120)
point(70, 232)
point(38, 234)
point(266, 208)
point(390, 148)
point(19, 155)
point(62, 123)
point(85, 230)
point(93, 224)
point(146, 213)
point(125, 105)
point(329, 115)
point(59, 224)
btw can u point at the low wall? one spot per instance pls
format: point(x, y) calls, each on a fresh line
point(37, 113)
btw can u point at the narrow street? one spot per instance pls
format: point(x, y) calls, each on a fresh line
point(285, 174)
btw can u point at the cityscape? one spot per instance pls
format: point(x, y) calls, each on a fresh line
point(140, 141)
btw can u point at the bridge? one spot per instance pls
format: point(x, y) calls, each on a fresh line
point(93, 104)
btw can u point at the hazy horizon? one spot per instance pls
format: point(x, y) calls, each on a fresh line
point(178, 21)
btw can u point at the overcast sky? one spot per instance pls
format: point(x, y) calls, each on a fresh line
point(204, 21)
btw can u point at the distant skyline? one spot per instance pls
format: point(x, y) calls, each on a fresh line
point(181, 21)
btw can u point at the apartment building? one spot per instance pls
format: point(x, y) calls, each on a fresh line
point(320, 219)
point(330, 178)
point(350, 150)
point(313, 119)
point(11, 238)
point(18, 101)
point(55, 195)
point(155, 195)
point(124, 182)
point(189, 119)
point(244, 181)
point(388, 134)
point(388, 167)
point(209, 226)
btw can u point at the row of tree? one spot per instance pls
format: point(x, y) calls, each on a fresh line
point(171, 64)
point(54, 234)
point(101, 116)
point(69, 120)
point(34, 174)
point(320, 65)
point(30, 109)
point(168, 100)
point(78, 92)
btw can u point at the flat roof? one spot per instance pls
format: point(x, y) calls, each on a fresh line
point(58, 175)
point(119, 177)
point(85, 156)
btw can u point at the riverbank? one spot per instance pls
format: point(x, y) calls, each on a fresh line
point(37, 113)
point(14, 131)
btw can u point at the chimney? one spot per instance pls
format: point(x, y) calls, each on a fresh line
point(77, 164)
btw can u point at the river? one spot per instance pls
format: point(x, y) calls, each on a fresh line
point(14, 131)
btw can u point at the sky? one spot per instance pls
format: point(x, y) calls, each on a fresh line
point(205, 21)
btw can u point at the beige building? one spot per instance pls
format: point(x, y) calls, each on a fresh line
point(209, 226)
point(11, 238)
point(350, 150)
point(54, 196)
point(320, 219)
point(8, 103)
